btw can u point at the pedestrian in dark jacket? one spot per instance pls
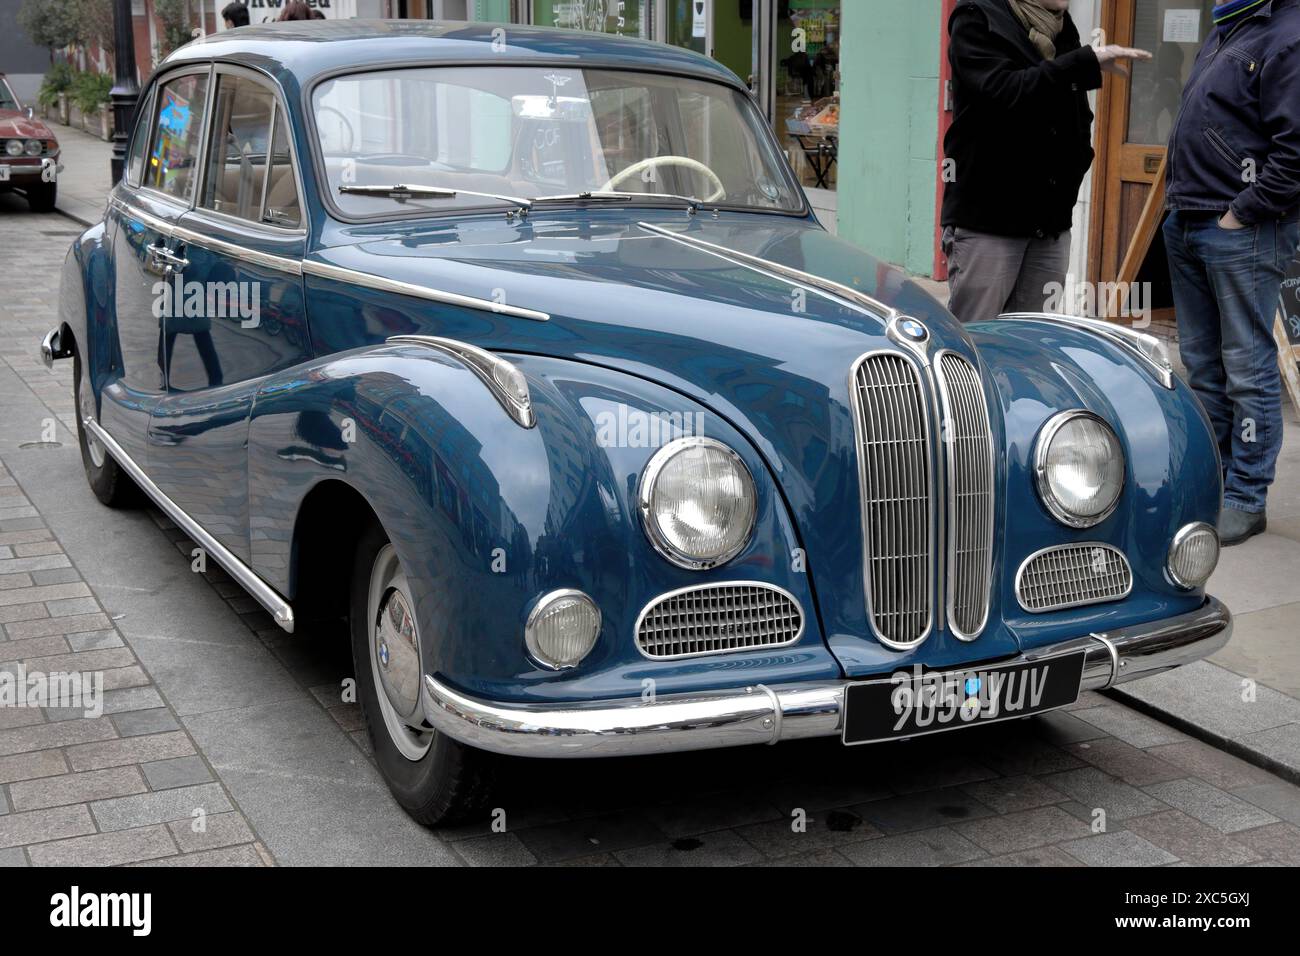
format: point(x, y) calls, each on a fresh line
point(1018, 149)
point(1233, 190)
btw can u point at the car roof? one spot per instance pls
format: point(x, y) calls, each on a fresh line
point(309, 48)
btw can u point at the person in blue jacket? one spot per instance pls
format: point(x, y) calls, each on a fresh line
point(1233, 191)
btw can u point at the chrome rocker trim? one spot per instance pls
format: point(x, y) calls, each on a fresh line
point(764, 715)
point(265, 595)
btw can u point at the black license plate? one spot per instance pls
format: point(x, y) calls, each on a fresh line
point(909, 704)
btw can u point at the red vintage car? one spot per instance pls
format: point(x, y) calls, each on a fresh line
point(29, 152)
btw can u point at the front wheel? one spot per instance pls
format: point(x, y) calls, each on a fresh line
point(436, 779)
point(41, 197)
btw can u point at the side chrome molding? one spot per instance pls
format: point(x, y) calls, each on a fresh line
point(265, 595)
point(324, 270)
point(1146, 348)
point(506, 383)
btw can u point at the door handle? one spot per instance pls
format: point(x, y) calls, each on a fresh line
point(162, 257)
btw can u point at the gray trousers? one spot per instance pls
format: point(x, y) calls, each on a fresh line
point(989, 275)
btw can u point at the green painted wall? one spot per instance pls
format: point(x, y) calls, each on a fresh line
point(889, 129)
point(733, 38)
point(492, 11)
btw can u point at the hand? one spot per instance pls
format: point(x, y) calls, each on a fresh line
point(1231, 222)
point(1112, 58)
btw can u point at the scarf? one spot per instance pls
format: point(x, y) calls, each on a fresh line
point(1043, 25)
point(1232, 8)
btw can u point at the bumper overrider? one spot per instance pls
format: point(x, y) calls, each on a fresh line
point(764, 715)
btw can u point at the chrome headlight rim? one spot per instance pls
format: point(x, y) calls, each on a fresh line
point(1046, 494)
point(1179, 539)
point(544, 604)
point(645, 492)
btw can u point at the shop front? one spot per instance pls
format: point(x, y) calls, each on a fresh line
point(787, 51)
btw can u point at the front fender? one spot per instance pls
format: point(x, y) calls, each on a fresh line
point(1172, 465)
point(487, 516)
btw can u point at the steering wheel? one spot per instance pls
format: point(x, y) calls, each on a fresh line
point(344, 121)
point(719, 191)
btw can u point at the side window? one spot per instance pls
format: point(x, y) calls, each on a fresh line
point(281, 205)
point(135, 162)
point(239, 145)
point(249, 169)
point(174, 148)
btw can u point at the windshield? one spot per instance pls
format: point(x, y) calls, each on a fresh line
point(533, 132)
point(7, 99)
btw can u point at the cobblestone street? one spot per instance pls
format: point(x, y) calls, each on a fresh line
point(213, 714)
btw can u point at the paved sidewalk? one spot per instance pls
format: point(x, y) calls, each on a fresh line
point(264, 744)
point(85, 180)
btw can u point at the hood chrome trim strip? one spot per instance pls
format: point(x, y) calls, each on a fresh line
point(827, 288)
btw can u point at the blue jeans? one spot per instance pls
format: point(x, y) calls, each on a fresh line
point(1226, 285)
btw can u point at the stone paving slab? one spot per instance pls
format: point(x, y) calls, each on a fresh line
point(212, 708)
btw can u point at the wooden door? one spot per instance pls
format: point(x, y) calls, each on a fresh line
point(1135, 116)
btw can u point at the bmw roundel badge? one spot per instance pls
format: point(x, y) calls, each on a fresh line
point(913, 330)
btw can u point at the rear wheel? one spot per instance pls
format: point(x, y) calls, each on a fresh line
point(41, 197)
point(111, 485)
point(436, 779)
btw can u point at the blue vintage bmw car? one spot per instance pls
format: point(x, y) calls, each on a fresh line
point(522, 350)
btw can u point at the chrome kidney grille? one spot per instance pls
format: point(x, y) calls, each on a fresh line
point(893, 433)
point(968, 444)
point(1073, 575)
point(718, 619)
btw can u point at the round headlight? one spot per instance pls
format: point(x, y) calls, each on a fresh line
point(697, 502)
point(14, 147)
point(1080, 468)
point(562, 629)
point(33, 147)
point(1193, 555)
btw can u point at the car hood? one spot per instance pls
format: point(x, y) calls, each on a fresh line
point(16, 123)
point(653, 281)
point(766, 351)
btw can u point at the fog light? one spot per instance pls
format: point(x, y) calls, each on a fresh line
point(562, 629)
point(1193, 555)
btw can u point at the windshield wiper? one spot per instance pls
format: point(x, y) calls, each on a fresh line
point(402, 193)
point(602, 196)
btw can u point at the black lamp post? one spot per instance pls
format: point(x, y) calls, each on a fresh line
point(126, 90)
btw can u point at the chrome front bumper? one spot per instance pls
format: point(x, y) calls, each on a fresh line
point(764, 715)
